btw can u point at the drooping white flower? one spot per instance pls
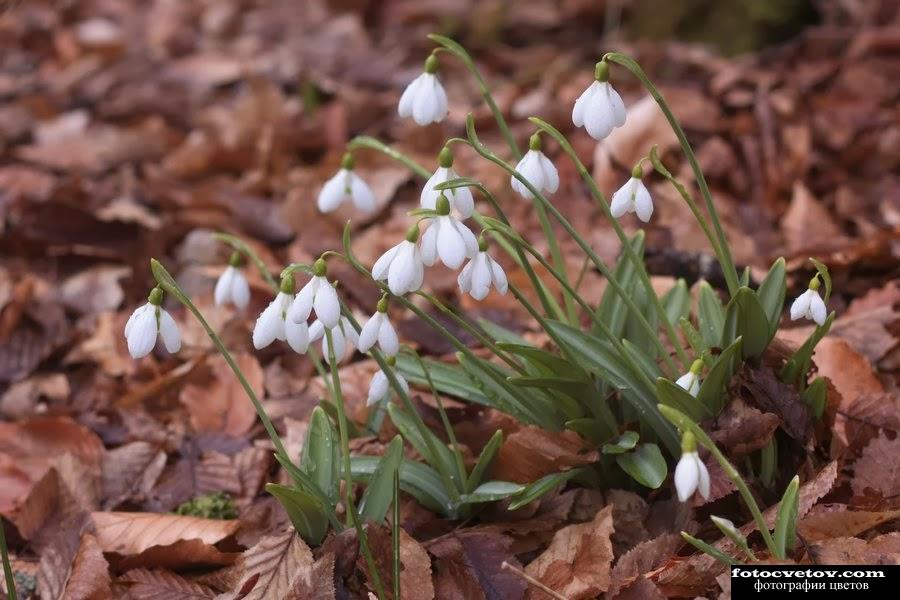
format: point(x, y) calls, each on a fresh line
point(482, 271)
point(378, 329)
point(690, 473)
point(232, 286)
point(346, 185)
point(599, 108)
point(537, 169)
point(343, 336)
point(318, 294)
point(690, 381)
point(460, 198)
point(401, 266)
point(810, 305)
point(633, 197)
point(273, 323)
point(148, 322)
point(380, 386)
point(447, 238)
point(424, 99)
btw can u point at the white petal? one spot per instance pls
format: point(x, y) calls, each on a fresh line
point(598, 116)
point(269, 325)
point(428, 197)
point(334, 192)
point(687, 476)
point(387, 338)
point(451, 246)
point(369, 334)
point(142, 331)
point(616, 104)
point(340, 346)
point(463, 202)
point(297, 336)
point(222, 291)
point(695, 388)
point(425, 103)
point(686, 381)
point(326, 304)
point(403, 270)
point(240, 290)
point(551, 175)
point(581, 103)
point(499, 276)
point(418, 272)
point(703, 482)
point(643, 203)
point(378, 388)
point(465, 277)
point(468, 238)
point(481, 277)
point(316, 330)
point(623, 199)
point(303, 301)
point(429, 243)
point(380, 268)
point(350, 333)
point(168, 331)
point(442, 107)
point(405, 107)
point(800, 306)
point(817, 309)
point(362, 195)
point(134, 316)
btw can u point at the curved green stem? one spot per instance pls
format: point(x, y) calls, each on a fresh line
point(685, 423)
point(623, 239)
point(731, 275)
point(365, 141)
point(348, 475)
point(598, 262)
point(7, 567)
point(461, 53)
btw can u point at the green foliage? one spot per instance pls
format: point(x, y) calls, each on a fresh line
point(217, 505)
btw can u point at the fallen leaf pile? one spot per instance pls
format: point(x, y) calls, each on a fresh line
point(131, 130)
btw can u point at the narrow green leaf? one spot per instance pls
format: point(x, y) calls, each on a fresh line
point(622, 444)
point(645, 464)
point(449, 379)
point(672, 394)
point(707, 549)
point(712, 388)
point(589, 428)
point(485, 460)
point(612, 309)
point(380, 490)
point(536, 489)
point(796, 367)
point(306, 513)
point(786, 521)
point(546, 362)
point(419, 481)
point(816, 395)
point(442, 459)
point(500, 333)
point(321, 454)
point(491, 491)
point(710, 315)
point(677, 301)
point(745, 317)
point(694, 338)
point(771, 294)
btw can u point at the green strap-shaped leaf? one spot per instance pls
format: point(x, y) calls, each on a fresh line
point(419, 481)
point(306, 513)
point(672, 394)
point(491, 491)
point(786, 522)
point(321, 454)
point(485, 460)
point(794, 370)
point(612, 309)
point(535, 490)
point(771, 294)
point(442, 459)
point(816, 395)
point(710, 315)
point(621, 444)
point(380, 490)
point(677, 301)
point(712, 388)
point(645, 464)
point(745, 318)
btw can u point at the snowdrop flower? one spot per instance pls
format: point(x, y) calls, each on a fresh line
point(273, 323)
point(633, 197)
point(537, 169)
point(447, 238)
point(482, 271)
point(460, 198)
point(378, 329)
point(232, 286)
point(690, 381)
point(599, 108)
point(342, 335)
point(318, 294)
point(425, 99)
point(690, 473)
point(809, 304)
point(149, 321)
point(346, 185)
point(402, 265)
point(380, 387)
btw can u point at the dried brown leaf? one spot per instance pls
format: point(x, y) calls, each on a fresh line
point(130, 471)
point(878, 468)
point(882, 550)
point(220, 403)
point(146, 584)
point(532, 452)
point(468, 567)
point(130, 534)
point(89, 579)
point(839, 521)
point(274, 564)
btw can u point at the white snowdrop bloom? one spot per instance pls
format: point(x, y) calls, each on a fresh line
point(380, 387)
point(425, 99)
point(633, 197)
point(318, 294)
point(460, 198)
point(599, 109)
point(232, 286)
point(343, 336)
point(402, 265)
point(346, 185)
point(273, 323)
point(690, 473)
point(690, 381)
point(378, 329)
point(482, 271)
point(537, 169)
point(810, 305)
point(147, 323)
point(447, 238)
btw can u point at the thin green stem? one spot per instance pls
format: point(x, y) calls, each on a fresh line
point(395, 536)
point(623, 239)
point(7, 567)
point(598, 262)
point(242, 247)
point(461, 53)
point(348, 475)
point(685, 423)
point(728, 267)
point(365, 141)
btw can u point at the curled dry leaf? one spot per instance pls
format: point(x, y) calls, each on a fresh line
point(741, 429)
point(644, 557)
point(882, 550)
point(878, 469)
point(531, 452)
point(272, 565)
point(130, 471)
point(147, 584)
point(89, 578)
point(220, 404)
point(577, 562)
point(832, 521)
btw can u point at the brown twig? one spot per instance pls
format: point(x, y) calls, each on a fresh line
point(532, 581)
